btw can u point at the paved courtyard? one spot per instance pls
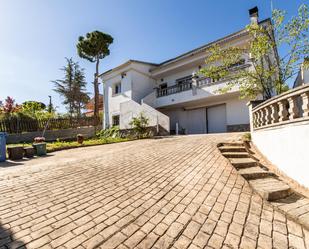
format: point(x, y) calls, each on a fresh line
point(174, 192)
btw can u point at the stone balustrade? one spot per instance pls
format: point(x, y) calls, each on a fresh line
point(291, 106)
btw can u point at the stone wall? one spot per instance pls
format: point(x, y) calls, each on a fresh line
point(238, 128)
point(53, 135)
point(151, 131)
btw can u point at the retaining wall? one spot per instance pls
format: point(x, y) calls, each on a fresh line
point(53, 135)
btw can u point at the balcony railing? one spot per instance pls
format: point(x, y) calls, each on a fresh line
point(289, 107)
point(185, 86)
point(200, 82)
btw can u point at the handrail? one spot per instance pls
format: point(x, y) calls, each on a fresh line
point(295, 91)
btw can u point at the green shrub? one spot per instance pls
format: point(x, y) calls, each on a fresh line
point(139, 125)
point(246, 137)
point(107, 133)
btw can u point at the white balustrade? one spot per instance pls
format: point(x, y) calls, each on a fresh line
point(291, 106)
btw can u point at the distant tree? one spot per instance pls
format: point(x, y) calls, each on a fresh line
point(271, 71)
point(10, 106)
point(80, 95)
point(35, 109)
point(32, 107)
point(72, 88)
point(94, 47)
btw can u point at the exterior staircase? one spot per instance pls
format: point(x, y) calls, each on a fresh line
point(264, 182)
point(267, 184)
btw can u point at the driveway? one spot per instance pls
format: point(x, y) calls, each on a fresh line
point(176, 192)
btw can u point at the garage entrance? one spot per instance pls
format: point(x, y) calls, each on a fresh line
point(206, 120)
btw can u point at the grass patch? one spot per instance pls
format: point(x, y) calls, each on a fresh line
point(62, 145)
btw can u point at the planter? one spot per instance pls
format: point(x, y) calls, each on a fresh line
point(80, 138)
point(2, 146)
point(40, 149)
point(16, 152)
point(39, 140)
point(29, 152)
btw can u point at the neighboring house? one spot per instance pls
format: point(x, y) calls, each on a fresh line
point(302, 77)
point(172, 97)
point(90, 106)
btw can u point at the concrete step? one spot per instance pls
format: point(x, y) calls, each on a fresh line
point(240, 163)
point(254, 173)
point(236, 154)
point(271, 188)
point(232, 149)
point(232, 144)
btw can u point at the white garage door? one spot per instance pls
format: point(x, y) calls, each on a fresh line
point(216, 119)
point(196, 121)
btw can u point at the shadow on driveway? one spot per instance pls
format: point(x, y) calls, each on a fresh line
point(7, 240)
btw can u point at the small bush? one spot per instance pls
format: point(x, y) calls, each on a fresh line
point(246, 137)
point(139, 125)
point(111, 132)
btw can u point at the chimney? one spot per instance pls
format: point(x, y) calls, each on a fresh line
point(254, 15)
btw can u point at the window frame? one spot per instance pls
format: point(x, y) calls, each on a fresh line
point(117, 86)
point(113, 120)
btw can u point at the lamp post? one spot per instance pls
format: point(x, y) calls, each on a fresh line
point(50, 104)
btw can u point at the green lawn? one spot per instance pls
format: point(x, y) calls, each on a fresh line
point(61, 145)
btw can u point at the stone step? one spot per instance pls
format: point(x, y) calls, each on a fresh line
point(254, 173)
point(271, 188)
point(236, 154)
point(240, 163)
point(232, 144)
point(232, 149)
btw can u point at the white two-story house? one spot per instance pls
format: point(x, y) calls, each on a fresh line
point(172, 97)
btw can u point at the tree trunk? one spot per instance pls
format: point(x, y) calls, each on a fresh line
point(96, 90)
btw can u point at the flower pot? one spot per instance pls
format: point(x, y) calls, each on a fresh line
point(16, 152)
point(39, 140)
point(80, 138)
point(40, 149)
point(29, 152)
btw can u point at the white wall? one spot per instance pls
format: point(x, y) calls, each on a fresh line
point(112, 102)
point(237, 111)
point(135, 84)
point(286, 147)
point(142, 86)
point(130, 109)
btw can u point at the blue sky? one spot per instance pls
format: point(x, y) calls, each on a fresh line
point(36, 35)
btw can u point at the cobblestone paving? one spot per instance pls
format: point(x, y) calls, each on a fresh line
point(166, 193)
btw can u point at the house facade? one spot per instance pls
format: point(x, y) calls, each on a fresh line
point(173, 96)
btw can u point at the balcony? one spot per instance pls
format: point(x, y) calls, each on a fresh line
point(181, 87)
point(186, 84)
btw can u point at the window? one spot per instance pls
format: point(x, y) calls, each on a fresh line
point(117, 88)
point(116, 120)
point(184, 80)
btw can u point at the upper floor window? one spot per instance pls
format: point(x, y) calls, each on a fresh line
point(117, 88)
